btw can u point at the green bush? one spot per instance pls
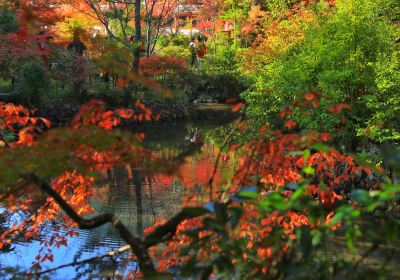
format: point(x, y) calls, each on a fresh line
point(178, 51)
point(99, 89)
point(347, 56)
point(8, 22)
point(383, 124)
point(31, 82)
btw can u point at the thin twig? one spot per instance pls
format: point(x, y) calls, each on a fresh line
point(99, 257)
point(226, 140)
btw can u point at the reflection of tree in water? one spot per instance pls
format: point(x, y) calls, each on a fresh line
point(108, 268)
point(139, 198)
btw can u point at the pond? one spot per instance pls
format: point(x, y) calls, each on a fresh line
point(139, 197)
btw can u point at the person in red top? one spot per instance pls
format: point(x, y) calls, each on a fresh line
point(201, 48)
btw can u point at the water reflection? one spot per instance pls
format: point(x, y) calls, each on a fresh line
point(139, 197)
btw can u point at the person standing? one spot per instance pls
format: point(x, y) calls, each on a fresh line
point(192, 48)
point(201, 48)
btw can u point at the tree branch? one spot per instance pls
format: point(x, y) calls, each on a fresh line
point(168, 229)
point(138, 247)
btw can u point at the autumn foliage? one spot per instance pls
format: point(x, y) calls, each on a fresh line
point(315, 89)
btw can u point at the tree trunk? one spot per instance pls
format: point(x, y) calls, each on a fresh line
point(148, 38)
point(138, 37)
point(234, 23)
point(136, 54)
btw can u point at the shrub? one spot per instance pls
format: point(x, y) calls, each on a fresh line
point(177, 51)
point(31, 82)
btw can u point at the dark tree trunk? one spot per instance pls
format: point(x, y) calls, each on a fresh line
point(136, 54)
point(138, 37)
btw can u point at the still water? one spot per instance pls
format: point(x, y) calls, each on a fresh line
point(137, 197)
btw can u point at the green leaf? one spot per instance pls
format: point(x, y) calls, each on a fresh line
point(306, 154)
point(316, 237)
point(246, 194)
point(320, 147)
point(309, 170)
point(296, 153)
point(274, 201)
point(297, 194)
point(361, 197)
point(337, 218)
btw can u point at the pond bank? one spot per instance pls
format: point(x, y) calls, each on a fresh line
point(61, 116)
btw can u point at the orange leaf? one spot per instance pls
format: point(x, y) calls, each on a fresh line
point(309, 96)
point(137, 102)
point(22, 33)
point(121, 83)
point(108, 114)
point(140, 137)
point(315, 103)
point(125, 113)
point(233, 147)
point(46, 122)
point(237, 107)
point(290, 124)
